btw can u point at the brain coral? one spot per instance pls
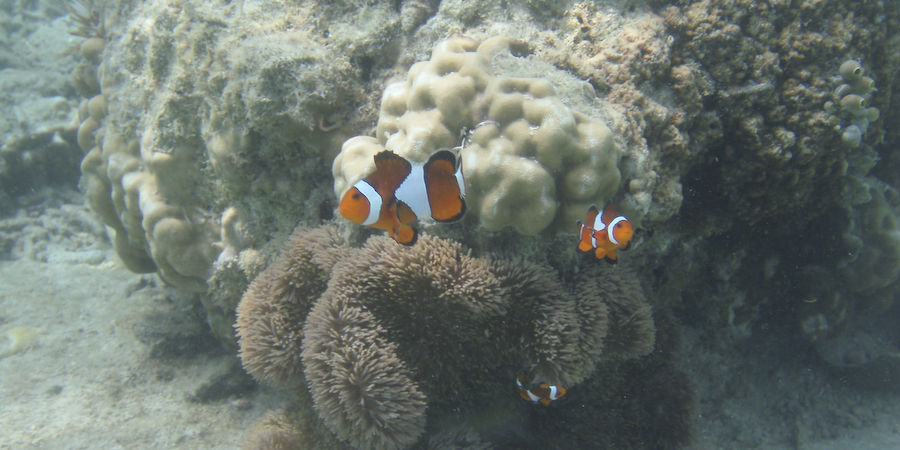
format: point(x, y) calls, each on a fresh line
point(382, 346)
point(531, 160)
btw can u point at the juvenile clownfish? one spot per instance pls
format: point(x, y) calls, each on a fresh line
point(605, 232)
point(400, 192)
point(543, 394)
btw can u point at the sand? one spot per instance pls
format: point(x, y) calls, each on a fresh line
point(87, 380)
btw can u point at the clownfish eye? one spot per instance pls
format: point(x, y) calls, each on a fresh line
point(619, 225)
point(356, 196)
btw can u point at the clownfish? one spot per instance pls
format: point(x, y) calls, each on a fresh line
point(605, 232)
point(400, 192)
point(543, 394)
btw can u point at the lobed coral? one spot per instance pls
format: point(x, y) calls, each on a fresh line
point(531, 161)
point(383, 346)
point(771, 87)
point(193, 112)
point(865, 273)
point(772, 199)
point(652, 102)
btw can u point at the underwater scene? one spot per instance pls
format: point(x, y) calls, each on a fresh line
point(449, 225)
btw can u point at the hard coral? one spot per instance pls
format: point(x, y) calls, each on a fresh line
point(531, 161)
point(780, 147)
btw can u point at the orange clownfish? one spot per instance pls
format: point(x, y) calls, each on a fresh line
point(399, 192)
point(543, 394)
point(605, 232)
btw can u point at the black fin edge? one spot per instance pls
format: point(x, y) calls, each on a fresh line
point(414, 239)
point(446, 155)
point(462, 212)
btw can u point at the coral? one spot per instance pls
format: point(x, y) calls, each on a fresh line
point(134, 190)
point(382, 345)
point(768, 203)
point(141, 189)
point(866, 276)
point(655, 105)
point(780, 155)
point(531, 160)
point(228, 109)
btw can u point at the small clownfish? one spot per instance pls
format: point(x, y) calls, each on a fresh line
point(605, 232)
point(400, 192)
point(543, 394)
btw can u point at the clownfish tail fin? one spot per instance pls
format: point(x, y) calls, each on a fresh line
point(445, 186)
point(459, 215)
point(407, 235)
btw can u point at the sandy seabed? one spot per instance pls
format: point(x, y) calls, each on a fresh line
point(87, 381)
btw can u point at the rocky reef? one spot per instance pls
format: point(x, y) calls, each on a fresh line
point(751, 143)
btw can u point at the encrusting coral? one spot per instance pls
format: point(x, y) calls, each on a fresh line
point(405, 339)
point(531, 160)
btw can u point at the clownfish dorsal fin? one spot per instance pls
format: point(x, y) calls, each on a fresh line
point(610, 210)
point(592, 214)
point(405, 214)
point(390, 171)
point(445, 186)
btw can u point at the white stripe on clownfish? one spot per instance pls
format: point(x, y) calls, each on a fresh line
point(543, 394)
point(598, 223)
point(374, 199)
point(612, 226)
point(533, 397)
point(553, 391)
point(414, 193)
point(460, 180)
